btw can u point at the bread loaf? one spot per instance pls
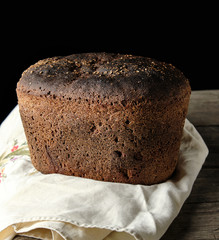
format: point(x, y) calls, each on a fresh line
point(104, 116)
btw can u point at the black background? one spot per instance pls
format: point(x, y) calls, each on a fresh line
point(189, 43)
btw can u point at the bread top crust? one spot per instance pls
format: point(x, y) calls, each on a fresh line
point(103, 76)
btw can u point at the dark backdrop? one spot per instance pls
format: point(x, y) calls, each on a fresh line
point(191, 50)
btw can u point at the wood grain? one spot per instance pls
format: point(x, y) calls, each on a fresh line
point(199, 216)
point(204, 108)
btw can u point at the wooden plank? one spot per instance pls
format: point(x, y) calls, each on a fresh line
point(195, 221)
point(210, 135)
point(204, 108)
point(206, 187)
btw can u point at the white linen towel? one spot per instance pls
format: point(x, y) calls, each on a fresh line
point(61, 207)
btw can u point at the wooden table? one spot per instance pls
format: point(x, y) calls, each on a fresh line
point(199, 216)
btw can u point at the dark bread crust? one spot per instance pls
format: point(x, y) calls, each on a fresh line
point(103, 75)
point(104, 116)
